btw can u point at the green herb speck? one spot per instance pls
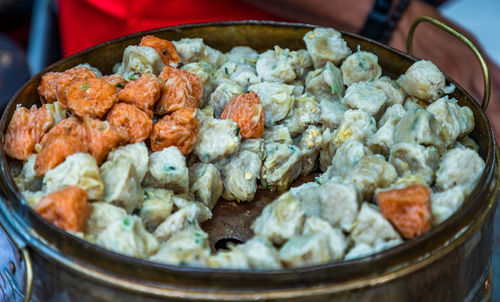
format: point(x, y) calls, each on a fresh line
point(169, 169)
point(126, 221)
point(120, 85)
point(237, 131)
point(85, 87)
point(146, 195)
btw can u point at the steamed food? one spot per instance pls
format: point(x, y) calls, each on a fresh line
point(136, 161)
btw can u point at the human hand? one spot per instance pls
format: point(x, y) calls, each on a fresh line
point(450, 55)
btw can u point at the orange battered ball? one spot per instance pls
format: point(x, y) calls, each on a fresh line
point(164, 48)
point(133, 120)
point(181, 89)
point(408, 209)
point(47, 90)
point(67, 209)
point(116, 80)
point(247, 111)
point(92, 97)
point(179, 129)
point(56, 148)
point(71, 126)
point(103, 137)
point(68, 77)
point(142, 93)
point(26, 129)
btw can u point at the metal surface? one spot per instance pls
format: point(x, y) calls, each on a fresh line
point(466, 41)
point(451, 262)
point(27, 269)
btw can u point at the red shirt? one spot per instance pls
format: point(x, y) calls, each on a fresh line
point(84, 23)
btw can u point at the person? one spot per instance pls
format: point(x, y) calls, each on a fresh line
point(113, 18)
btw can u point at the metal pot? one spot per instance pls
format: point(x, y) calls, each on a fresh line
point(451, 262)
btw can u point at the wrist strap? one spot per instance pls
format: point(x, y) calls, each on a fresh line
point(377, 20)
point(379, 25)
point(393, 21)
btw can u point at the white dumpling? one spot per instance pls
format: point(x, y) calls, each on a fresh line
point(308, 194)
point(232, 258)
point(157, 206)
point(167, 169)
point(445, 203)
point(327, 150)
point(336, 239)
point(370, 173)
point(455, 121)
point(194, 50)
point(326, 44)
point(275, 66)
point(255, 145)
point(418, 126)
point(27, 179)
point(138, 60)
point(281, 166)
point(372, 233)
point(280, 220)
point(424, 81)
point(301, 62)
point(136, 153)
point(325, 83)
point(129, 237)
point(277, 99)
point(240, 174)
point(278, 134)
point(205, 183)
point(347, 156)
point(261, 254)
point(394, 93)
point(392, 112)
point(33, 198)
point(310, 144)
point(102, 214)
point(331, 113)
point(306, 250)
point(217, 139)
point(187, 217)
point(459, 167)
point(359, 67)
point(305, 112)
point(365, 96)
point(383, 140)
point(242, 54)
point(339, 204)
point(411, 158)
point(79, 169)
point(122, 186)
point(244, 75)
point(356, 125)
point(186, 248)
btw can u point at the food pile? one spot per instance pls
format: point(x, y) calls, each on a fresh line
point(135, 161)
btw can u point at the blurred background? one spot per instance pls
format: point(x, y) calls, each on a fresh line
point(30, 41)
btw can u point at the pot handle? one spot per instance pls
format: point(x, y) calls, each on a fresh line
point(465, 40)
point(23, 250)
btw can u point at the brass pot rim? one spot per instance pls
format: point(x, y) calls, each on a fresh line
point(22, 216)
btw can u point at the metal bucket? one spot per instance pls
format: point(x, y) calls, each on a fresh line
point(451, 262)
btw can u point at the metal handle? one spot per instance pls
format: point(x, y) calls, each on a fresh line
point(23, 250)
point(465, 40)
